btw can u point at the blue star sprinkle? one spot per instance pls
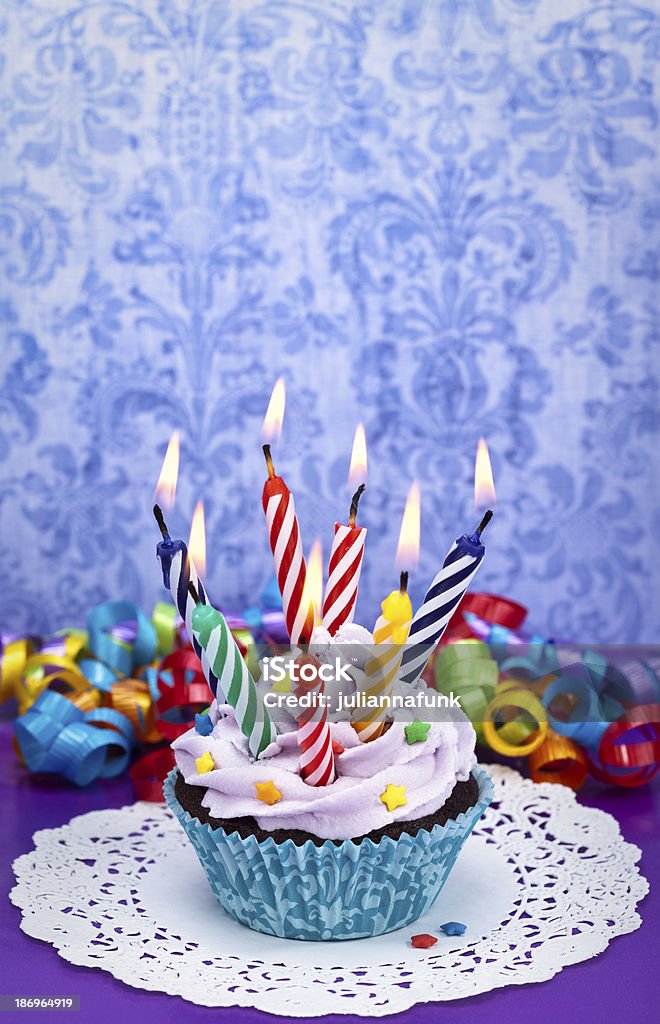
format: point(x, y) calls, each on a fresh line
point(203, 725)
point(453, 928)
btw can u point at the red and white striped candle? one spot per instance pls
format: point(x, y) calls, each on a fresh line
point(344, 570)
point(317, 760)
point(285, 543)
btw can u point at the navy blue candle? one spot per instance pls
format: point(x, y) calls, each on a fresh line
point(441, 601)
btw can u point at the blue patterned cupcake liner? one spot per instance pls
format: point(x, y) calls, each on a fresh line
point(345, 891)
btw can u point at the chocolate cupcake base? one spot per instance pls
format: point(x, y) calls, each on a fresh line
point(463, 796)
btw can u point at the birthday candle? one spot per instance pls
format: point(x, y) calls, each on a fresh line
point(344, 570)
point(441, 600)
point(317, 762)
point(285, 543)
point(179, 572)
point(212, 633)
point(381, 670)
point(457, 572)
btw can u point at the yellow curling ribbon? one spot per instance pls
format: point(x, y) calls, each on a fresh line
point(521, 700)
point(35, 680)
point(12, 664)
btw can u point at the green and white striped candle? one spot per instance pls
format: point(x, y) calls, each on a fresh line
point(235, 684)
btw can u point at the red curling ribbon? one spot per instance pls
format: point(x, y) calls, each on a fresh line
point(635, 754)
point(148, 774)
point(493, 607)
point(188, 689)
point(635, 762)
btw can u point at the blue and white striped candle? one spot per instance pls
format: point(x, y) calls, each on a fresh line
point(441, 601)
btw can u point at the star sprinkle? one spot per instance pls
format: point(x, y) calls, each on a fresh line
point(268, 792)
point(416, 731)
point(423, 941)
point(203, 724)
point(337, 748)
point(204, 764)
point(394, 797)
point(283, 686)
point(453, 928)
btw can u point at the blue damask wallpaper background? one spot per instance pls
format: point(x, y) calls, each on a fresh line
point(438, 216)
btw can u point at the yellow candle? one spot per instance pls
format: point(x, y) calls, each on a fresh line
point(390, 633)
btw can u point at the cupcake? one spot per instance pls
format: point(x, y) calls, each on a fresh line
point(362, 856)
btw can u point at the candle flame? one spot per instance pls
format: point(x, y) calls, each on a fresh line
point(484, 488)
point(407, 552)
point(197, 540)
point(166, 486)
point(314, 579)
point(272, 425)
point(358, 470)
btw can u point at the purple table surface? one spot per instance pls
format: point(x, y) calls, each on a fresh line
point(620, 985)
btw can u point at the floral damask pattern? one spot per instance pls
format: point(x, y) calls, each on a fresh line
point(439, 217)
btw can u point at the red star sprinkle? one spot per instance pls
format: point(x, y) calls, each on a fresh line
point(337, 748)
point(424, 941)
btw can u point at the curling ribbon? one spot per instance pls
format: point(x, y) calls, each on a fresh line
point(557, 759)
point(521, 700)
point(182, 688)
point(467, 670)
point(492, 607)
point(56, 736)
point(148, 773)
point(81, 718)
point(600, 716)
point(629, 750)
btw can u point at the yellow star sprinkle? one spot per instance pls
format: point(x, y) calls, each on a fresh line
point(393, 797)
point(268, 792)
point(283, 686)
point(204, 764)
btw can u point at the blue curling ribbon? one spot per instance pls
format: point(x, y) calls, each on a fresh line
point(98, 675)
point(587, 723)
point(56, 736)
point(109, 649)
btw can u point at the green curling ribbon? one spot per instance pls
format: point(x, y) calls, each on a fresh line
point(467, 670)
point(164, 619)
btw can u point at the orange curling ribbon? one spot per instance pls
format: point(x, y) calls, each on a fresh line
point(132, 698)
point(558, 759)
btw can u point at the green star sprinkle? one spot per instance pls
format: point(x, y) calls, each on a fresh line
point(416, 731)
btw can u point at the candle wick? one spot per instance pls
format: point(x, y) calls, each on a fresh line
point(192, 590)
point(161, 522)
point(403, 582)
point(484, 523)
point(355, 501)
point(269, 461)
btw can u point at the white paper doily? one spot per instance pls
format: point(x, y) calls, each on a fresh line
point(543, 883)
